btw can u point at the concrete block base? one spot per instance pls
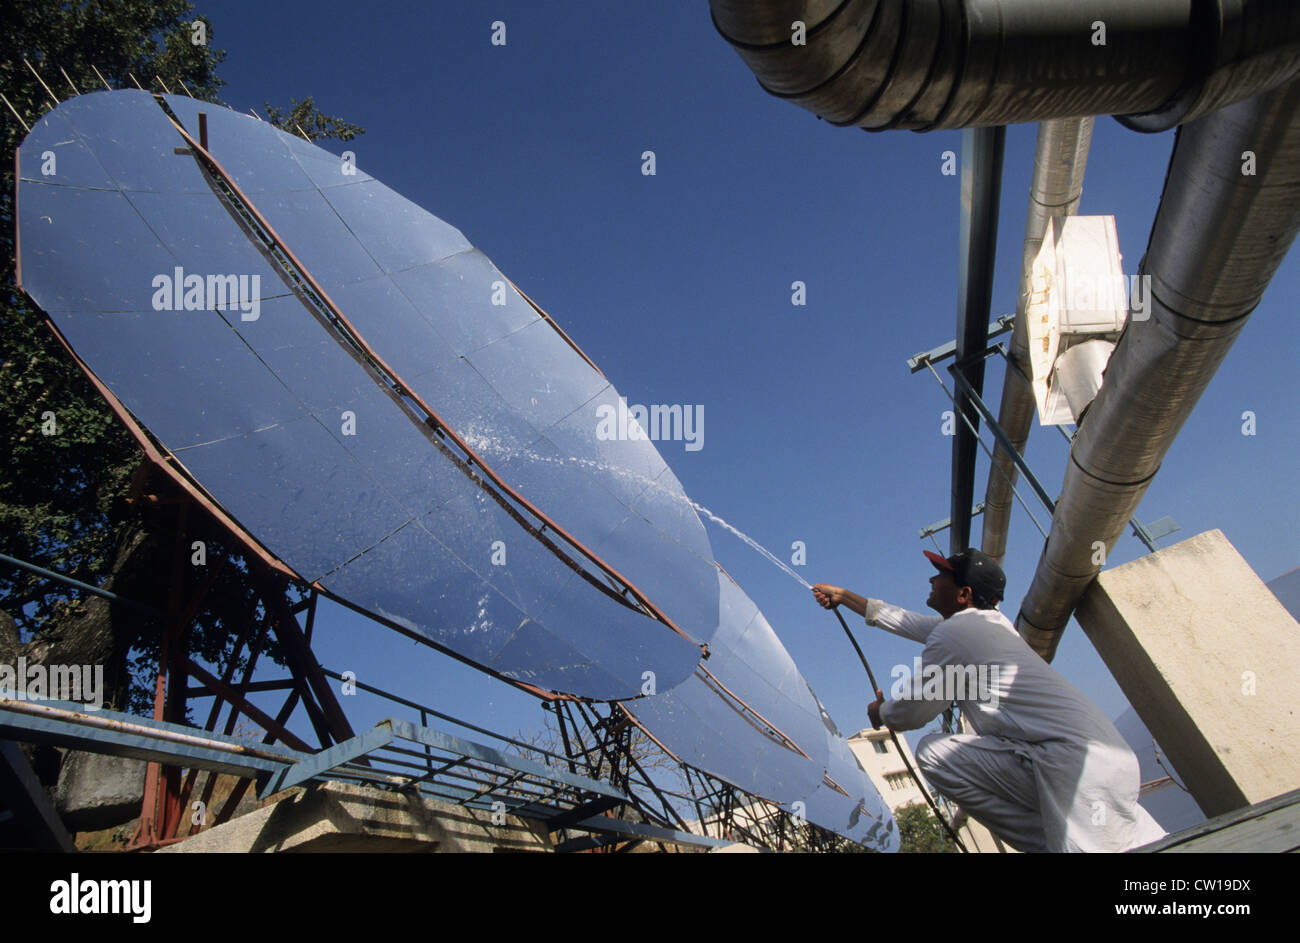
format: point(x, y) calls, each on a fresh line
point(97, 791)
point(337, 817)
point(1210, 660)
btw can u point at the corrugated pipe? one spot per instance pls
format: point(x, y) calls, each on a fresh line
point(1219, 235)
point(1059, 164)
point(928, 64)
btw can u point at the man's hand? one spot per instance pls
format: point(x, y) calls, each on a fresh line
point(828, 596)
point(873, 710)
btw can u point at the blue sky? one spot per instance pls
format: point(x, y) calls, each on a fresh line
point(678, 286)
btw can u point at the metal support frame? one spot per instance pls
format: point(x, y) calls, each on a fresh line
point(981, 189)
point(939, 527)
point(965, 390)
point(919, 362)
point(972, 397)
point(166, 796)
point(723, 813)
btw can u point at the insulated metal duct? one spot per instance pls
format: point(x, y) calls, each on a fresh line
point(1060, 160)
point(928, 64)
point(1219, 235)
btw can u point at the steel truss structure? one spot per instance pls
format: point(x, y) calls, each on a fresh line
point(606, 741)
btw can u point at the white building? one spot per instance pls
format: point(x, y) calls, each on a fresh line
point(882, 762)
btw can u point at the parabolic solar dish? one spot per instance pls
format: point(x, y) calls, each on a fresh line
point(371, 400)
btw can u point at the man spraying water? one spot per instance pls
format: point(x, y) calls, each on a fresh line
point(1044, 770)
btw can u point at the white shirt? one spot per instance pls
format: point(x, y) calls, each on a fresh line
point(1087, 775)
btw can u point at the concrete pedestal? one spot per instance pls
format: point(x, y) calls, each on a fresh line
point(337, 817)
point(1210, 661)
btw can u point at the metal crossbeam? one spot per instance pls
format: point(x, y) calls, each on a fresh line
point(939, 526)
point(919, 362)
point(972, 397)
point(653, 832)
point(579, 813)
point(68, 724)
point(320, 763)
point(445, 741)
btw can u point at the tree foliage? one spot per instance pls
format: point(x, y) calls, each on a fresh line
point(65, 489)
point(919, 831)
point(303, 118)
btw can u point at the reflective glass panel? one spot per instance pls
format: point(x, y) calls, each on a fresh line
point(133, 141)
point(88, 250)
point(537, 374)
point(54, 153)
point(456, 295)
point(299, 492)
point(397, 233)
point(146, 359)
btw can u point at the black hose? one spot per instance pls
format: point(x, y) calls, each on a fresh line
point(892, 736)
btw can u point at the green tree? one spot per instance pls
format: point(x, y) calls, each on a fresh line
point(919, 832)
point(72, 501)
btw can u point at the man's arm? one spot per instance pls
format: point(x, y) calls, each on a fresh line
point(919, 700)
point(878, 613)
point(910, 714)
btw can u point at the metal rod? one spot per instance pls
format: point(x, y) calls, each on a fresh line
point(36, 709)
point(53, 97)
point(1001, 436)
point(69, 81)
point(25, 125)
point(41, 571)
point(101, 78)
point(987, 451)
point(981, 187)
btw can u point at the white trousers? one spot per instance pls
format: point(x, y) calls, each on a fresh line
point(991, 782)
point(1042, 796)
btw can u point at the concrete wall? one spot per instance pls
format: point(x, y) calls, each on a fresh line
point(1210, 660)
